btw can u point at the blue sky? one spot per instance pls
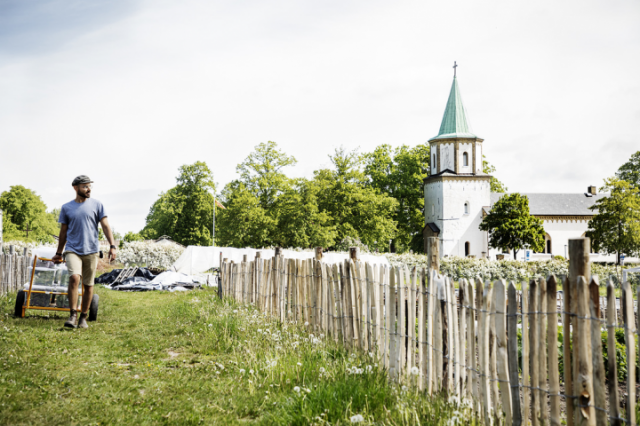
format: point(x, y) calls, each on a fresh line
point(127, 91)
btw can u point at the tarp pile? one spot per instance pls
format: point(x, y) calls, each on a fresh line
point(200, 260)
point(143, 280)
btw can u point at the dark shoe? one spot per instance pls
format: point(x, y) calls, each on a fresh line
point(71, 322)
point(82, 322)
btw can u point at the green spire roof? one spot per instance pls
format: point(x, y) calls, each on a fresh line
point(454, 123)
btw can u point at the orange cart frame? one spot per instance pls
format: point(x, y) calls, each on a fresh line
point(27, 304)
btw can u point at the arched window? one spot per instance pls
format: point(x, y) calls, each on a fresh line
point(466, 208)
point(465, 159)
point(435, 163)
point(547, 244)
point(467, 249)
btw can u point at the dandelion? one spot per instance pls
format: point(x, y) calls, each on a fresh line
point(404, 389)
point(311, 336)
point(210, 325)
point(260, 330)
point(415, 371)
point(250, 371)
point(321, 336)
point(296, 389)
point(241, 371)
point(235, 311)
point(322, 369)
point(306, 324)
point(357, 418)
point(299, 364)
point(315, 341)
point(353, 355)
point(370, 354)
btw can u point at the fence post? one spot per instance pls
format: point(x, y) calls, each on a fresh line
point(579, 265)
point(552, 341)
point(584, 378)
point(614, 399)
point(600, 397)
point(433, 253)
point(501, 343)
point(512, 346)
point(318, 253)
point(629, 338)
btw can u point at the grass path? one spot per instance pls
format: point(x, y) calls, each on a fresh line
point(188, 358)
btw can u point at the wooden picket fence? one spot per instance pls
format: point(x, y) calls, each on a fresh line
point(14, 270)
point(464, 341)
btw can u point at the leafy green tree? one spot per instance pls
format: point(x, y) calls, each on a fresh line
point(511, 226)
point(254, 202)
point(496, 185)
point(132, 236)
point(243, 223)
point(25, 216)
point(399, 173)
point(616, 226)
point(630, 171)
point(356, 208)
point(185, 212)
point(300, 221)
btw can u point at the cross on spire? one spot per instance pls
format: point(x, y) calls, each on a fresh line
point(27, 230)
point(454, 68)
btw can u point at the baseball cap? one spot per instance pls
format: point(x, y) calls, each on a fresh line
point(81, 179)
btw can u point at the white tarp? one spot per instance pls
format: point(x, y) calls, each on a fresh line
point(197, 259)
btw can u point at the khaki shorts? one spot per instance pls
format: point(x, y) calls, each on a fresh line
point(85, 266)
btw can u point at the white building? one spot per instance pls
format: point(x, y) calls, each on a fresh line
point(457, 195)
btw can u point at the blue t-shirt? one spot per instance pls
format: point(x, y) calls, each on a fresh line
point(82, 219)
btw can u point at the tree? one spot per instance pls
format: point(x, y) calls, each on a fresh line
point(185, 212)
point(616, 226)
point(399, 173)
point(496, 185)
point(511, 227)
point(356, 209)
point(253, 202)
point(25, 216)
point(630, 171)
point(132, 236)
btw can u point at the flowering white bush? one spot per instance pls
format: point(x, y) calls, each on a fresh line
point(509, 270)
point(149, 253)
point(20, 245)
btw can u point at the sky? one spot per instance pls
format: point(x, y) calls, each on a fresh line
point(128, 91)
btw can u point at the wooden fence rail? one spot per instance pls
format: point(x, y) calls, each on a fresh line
point(464, 341)
point(14, 270)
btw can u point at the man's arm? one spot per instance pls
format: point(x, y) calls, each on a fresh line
point(62, 241)
point(107, 233)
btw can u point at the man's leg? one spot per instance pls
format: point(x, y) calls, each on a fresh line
point(89, 264)
point(74, 281)
point(87, 297)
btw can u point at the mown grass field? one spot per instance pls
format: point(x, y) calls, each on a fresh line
point(189, 358)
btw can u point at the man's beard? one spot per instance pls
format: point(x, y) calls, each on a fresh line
point(87, 195)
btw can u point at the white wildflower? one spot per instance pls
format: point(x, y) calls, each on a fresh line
point(299, 364)
point(296, 389)
point(415, 371)
point(357, 418)
point(241, 371)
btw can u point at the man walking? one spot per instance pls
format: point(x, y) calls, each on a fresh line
point(79, 231)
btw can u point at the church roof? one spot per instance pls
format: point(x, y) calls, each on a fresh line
point(557, 204)
point(454, 123)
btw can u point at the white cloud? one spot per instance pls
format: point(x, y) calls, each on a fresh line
point(551, 86)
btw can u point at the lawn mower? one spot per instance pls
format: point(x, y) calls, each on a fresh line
point(48, 289)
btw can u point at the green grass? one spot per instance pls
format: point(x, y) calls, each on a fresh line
point(189, 358)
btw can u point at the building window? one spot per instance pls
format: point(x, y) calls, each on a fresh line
point(466, 208)
point(467, 249)
point(547, 244)
point(435, 163)
point(465, 159)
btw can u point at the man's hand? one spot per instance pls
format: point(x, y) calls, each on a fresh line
point(57, 259)
point(112, 254)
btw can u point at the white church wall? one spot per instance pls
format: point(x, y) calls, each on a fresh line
point(458, 227)
point(478, 157)
point(468, 149)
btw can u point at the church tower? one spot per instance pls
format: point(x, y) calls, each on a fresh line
point(457, 189)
